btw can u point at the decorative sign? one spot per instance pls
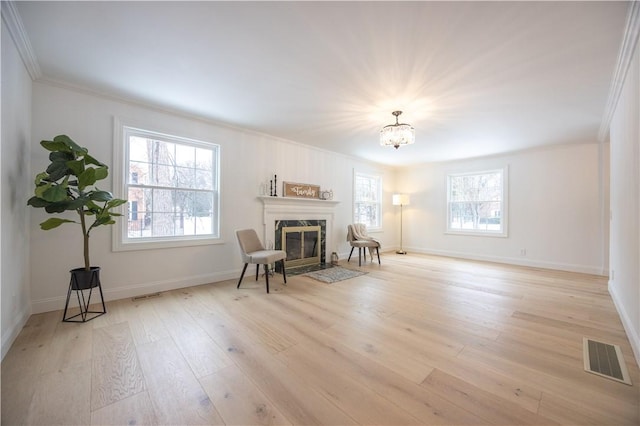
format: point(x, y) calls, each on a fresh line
point(300, 190)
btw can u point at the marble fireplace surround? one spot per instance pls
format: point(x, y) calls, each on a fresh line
point(278, 209)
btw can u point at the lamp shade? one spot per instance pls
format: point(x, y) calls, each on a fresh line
point(400, 199)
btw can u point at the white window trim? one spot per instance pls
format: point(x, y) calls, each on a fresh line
point(504, 210)
point(380, 193)
point(119, 242)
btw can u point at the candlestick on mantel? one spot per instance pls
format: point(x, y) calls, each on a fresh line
point(270, 187)
point(275, 185)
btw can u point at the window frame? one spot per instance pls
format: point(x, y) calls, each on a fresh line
point(504, 204)
point(379, 204)
point(120, 239)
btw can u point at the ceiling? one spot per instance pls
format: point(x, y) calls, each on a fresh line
point(473, 78)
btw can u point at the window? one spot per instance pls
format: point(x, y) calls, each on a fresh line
point(476, 203)
point(367, 196)
point(172, 187)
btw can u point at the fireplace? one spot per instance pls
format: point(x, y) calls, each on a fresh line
point(302, 244)
point(288, 212)
point(303, 240)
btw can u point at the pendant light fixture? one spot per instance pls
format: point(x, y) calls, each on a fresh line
point(397, 134)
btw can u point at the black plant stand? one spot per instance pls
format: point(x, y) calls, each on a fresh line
point(81, 281)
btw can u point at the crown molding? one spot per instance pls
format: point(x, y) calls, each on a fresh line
point(625, 56)
point(12, 20)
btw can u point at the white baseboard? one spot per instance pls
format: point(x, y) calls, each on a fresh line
point(633, 334)
point(123, 292)
point(585, 269)
point(10, 336)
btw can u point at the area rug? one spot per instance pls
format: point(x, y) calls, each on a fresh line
point(333, 275)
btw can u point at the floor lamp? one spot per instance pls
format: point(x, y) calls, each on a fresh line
point(400, 200)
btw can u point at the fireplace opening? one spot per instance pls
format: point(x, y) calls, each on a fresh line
point(304, 241)
point(302, 244)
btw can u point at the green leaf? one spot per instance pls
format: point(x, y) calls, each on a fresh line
point(62, 206)
point(71, 145)
point(37, 202)
point(87, 178)
point(103, 220)
point(61, 156)
point(55, 193)
point(41, 189)
point(55, 208)
point(101, 173)
point(57, 170)
point(76, 166)
point(90, 160)
point(115, 203)
point(55, 146)
point(101, 196)
point(90, 205)
point(40, 177)
point(54, 222)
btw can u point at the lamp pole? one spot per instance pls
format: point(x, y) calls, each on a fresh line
point(401, 251)
point(400, 200)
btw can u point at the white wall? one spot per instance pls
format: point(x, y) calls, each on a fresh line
point(624, 280)
point(554, 204)
point(14, 170)
point(248, 159)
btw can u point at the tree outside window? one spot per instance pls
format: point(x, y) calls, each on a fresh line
point(173, 183)
point(476, 202)
point(367, 200)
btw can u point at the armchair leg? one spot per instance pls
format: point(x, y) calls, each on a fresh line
point(350, 253)
point(257, 271)
point(242, 274)
point(284, 273)
point(266, 276)
point(360, 256)
point(378, 253)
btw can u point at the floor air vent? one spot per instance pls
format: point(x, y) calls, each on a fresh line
point(605, 360)
point(145, 296)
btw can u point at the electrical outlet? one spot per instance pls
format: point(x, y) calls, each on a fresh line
point(523, 252)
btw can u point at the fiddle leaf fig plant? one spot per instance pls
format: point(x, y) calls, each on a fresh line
point(68, 184)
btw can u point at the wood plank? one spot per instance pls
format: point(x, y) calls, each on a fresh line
point(198, 349)
point(22, 364)
point(239, 401)
point(490, 407)
point(145, 324)
point(62, 397)
point(426, 406)
point(134, 410)
point(175, 393)
point(364, 405)
point(116, 372)
point(68, 335)
point(291, 396)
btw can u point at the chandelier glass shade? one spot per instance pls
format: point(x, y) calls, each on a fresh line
point(397, 134)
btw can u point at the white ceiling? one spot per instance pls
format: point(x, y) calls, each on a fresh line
point(473, 78)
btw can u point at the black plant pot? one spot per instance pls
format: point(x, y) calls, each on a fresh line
point(81, 279)
point(81, 282)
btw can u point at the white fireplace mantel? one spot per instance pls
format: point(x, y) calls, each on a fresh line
point(290, 208)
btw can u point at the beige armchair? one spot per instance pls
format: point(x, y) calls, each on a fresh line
point(253, 251)
point(357, 236)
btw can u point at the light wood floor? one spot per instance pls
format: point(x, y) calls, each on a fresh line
point(418, 340)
